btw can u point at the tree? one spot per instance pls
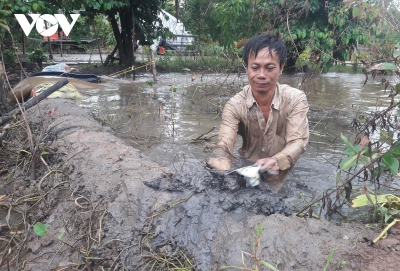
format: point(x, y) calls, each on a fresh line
point(126, 18)
point(3, 88)
point(331, 29)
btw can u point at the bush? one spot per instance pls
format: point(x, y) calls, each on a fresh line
point(9, 58)
point(37, 55)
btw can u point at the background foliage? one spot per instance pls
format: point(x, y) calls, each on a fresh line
point(328, 30)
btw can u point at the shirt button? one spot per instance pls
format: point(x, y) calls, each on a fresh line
point(262, 119)
point(263, 150)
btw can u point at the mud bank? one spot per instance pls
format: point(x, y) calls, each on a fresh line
point(111, 208)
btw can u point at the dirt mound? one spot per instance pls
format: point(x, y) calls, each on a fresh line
point(109, 207)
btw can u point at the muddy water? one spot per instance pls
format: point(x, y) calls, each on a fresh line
point(162, 119)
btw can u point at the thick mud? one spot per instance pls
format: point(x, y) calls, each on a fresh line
point(109, 207)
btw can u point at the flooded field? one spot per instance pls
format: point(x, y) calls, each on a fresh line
point(164, 119)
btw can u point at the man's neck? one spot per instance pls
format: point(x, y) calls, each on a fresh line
point(264, 99)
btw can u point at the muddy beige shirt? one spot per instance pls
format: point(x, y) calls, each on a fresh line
point(284, 135)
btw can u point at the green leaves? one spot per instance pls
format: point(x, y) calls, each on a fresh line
point(330, 256)
point(40, 229)
point(386, 137)
point(270, 266)
point(356, 154)
point(348, 162)
point(356, 12)
point(61, 234)
point(4, 25)
point(391, 162)
point(259, 229)
point(388, 67)
point(385, 199)
point(349, 145)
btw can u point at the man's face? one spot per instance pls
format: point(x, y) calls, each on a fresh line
point(263, 72)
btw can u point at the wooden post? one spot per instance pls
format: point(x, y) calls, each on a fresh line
point(153, 66)
point(50, 50)
point(61, 39)
point(98, 43)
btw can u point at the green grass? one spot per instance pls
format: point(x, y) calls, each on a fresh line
point(346, 68)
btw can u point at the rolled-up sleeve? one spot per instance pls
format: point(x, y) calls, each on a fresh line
point(297, 133)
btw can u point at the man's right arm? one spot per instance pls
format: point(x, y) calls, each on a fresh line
point(226, 138)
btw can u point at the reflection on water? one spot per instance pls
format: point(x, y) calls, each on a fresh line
point(162, 119)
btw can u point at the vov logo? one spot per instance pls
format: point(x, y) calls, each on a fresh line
point(39, 20)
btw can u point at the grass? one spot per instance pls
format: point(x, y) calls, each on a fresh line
point(340, 68)
point(255, 257)
point(176, 63)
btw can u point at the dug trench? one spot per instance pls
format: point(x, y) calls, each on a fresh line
point(109, 207)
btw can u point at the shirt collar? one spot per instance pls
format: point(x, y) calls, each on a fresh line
point(276, 103)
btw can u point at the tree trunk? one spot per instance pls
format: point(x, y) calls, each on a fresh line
point(23, 42)
point(3, 89)
point(177, 9)
point(124, 37)
point(290, 62)
point(110, 56)
point(40, 64)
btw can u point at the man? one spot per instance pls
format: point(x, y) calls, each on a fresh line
point(270, 117)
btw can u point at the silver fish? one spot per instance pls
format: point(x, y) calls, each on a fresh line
point(251, 172)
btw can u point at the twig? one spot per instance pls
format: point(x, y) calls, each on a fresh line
point(119, 255)
point(44, 163)
point(22, 244)
point(100, 222)
point(176, 203)
point(44, 177)
point(290, 34)
point(203, 134)
point(54, 257)
point(227, 225)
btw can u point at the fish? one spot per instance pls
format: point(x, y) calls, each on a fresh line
point(252, 173)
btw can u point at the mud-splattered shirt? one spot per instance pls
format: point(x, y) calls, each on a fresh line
point(284, 135)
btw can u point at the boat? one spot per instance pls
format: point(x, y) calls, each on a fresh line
point(91, 78)
point(24, 88)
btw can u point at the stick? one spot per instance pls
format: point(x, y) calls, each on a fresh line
point(22, 244)
point(200, 136)
point(153, 66)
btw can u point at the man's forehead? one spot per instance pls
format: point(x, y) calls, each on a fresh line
point(262, 52)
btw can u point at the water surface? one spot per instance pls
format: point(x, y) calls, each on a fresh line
point(163, 119)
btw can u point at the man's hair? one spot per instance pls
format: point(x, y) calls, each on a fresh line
point(257, 43)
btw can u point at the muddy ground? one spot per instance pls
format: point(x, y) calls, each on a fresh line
point(109, 207)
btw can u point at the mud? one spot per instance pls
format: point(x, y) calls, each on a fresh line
point(109, 207)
